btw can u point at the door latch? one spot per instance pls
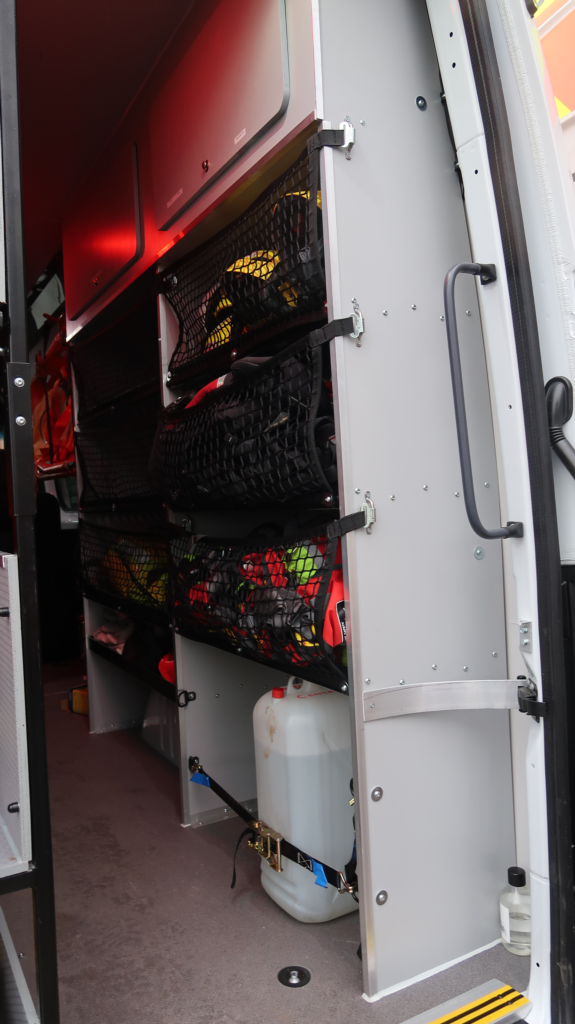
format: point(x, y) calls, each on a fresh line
point(527, 700)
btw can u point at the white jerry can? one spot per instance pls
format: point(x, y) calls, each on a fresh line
point(303, 769)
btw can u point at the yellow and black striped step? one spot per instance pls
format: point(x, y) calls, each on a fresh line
point(493, 1006)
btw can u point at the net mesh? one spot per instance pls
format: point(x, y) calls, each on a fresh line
point(276, 602)
point(126, 565)
point(267, 437)
point(120, 362)
point(114, 457)
point(261, 274)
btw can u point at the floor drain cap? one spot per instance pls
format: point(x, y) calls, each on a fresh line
point(294, 977)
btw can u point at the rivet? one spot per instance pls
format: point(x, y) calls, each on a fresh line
point(425, 487)
point(367, 681)
point(434, 667)
point(494, 654)
point(467, 312)
point(381, 898)
point(414, 306)
point(466, 668)
point(21, 421)
point(442, 317)
point(478, 552)
point(376, 794)
point(385, 312)
point(402, 682)
point(362, 121)
point(456, 494)
point(392, 497)
point(358, 490)
point(486, 484)
point(19, 382)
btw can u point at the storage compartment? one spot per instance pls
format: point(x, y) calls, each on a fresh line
point(113, 456)
point(261, 275)
point(279, 602)
point(125, 564)
point(119, 360)
point(265, 437)
point(231, 86)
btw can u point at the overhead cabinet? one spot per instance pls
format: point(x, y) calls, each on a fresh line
point(231, 86)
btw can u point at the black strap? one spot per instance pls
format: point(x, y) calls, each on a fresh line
point(356, 521)
point(246, 832)
point(334, 329)
point(292, 853)
point(327, 137)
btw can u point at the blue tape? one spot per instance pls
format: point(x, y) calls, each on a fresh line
point(319, 873)
point(202, 780)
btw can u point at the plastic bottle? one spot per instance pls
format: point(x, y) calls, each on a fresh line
point(303, 768)
point(515, 913)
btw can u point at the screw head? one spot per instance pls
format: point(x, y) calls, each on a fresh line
point(376, 794)
point(421, 103)
point(372, 705)
point(442, 317)
point(20, 956)
point(367, 681)
point(494, 654)
point(478, 552)
point(466, 668)
point(362, 121)
point(168, 375)
point(414, 306)
point(217, 694)
point(486, 484)
point(21, 421)
point(358, 490)
point(234, 354)
point(344, 688)
point(392, 497)
point(402, 682)
point(385, 312)
point(205, 165)
point(19, 382)
point(456, 494)
point(425, 487)
point(328, 499)
point(467, 312)
point(434, 666)
point(381, 898)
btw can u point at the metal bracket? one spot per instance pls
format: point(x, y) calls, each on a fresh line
point(358, 327)
point(185, 697)
point(348, 138)
point(268, 844)
point(370, 513)
point(525, 637)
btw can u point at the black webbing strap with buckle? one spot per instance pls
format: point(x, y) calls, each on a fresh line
point(334, 329)
point(272, 846)
point(326, 137)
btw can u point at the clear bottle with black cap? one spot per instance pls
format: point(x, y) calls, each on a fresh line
point(515, 913)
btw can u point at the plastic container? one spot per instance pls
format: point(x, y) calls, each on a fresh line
point(515, 913)
point(303, 768)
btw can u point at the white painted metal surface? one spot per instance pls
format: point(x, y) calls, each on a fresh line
point(15, 841)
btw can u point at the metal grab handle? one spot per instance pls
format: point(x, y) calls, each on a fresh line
point(487, 273)
point(559, 397)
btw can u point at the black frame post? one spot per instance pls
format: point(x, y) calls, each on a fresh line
point(18, 436)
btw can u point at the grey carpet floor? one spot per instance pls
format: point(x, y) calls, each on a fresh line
point(149, 931)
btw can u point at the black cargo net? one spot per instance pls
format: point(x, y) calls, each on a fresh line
point(266, 437)
point(126, 565)
point(114, 457)
point(261, 274)
point(278, 602)
point(120, 362)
